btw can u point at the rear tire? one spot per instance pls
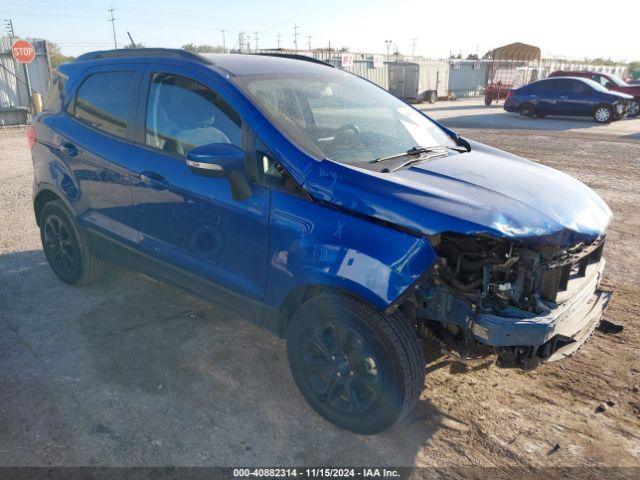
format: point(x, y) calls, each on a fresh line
point(359, 368)
point(65, 248)
point(432, 97)
point(488, 99)
point(603, 114)
point(527, 110)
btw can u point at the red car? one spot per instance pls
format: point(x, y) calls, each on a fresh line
point(612, 83)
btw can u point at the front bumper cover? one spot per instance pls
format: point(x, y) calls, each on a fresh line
point(550, 336)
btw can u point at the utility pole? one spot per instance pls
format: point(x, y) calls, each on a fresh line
point(309, 37)
point(388, 44)
point(278, 40)
point(241, 42)
point(224, 41)
point(9, 24)
point(414, 42)
point(255, 37)
point(133, 44)
point(113, 26)
point(295, 37)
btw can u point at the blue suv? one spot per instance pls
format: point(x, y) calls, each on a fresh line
point(321, 207)
point(568, 96)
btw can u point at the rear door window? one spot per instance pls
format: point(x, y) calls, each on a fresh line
point(560, 85)
point(183, 114)
point(103, 101)
point(580, 87)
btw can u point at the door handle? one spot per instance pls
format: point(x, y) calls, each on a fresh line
point(69, 148)
point(563, 97)
point(533, 96)
point(154, 180)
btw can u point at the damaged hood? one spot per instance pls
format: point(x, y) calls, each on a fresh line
point(486, 191)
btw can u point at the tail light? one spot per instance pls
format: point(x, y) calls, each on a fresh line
point(31, 136)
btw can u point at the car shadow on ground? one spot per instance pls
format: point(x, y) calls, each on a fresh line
point(634, 136)
point(133, 372)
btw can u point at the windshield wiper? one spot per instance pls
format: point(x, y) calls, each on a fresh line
point(421, 158)
point(419, 151)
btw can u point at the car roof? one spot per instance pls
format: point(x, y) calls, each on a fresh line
point(242, 64)
point(233, 64)
point(566, 77)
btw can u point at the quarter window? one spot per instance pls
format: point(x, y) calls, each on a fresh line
point(103, 101)
point(183, 114)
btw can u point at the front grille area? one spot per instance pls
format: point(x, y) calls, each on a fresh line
point(557, 283)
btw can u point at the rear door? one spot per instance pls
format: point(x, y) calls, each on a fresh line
point(188, 222)
point(93, 140)
point(546, 96)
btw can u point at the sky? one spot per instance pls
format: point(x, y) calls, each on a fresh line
point(561, 28)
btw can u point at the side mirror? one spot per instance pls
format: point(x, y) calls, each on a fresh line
point(221, 160)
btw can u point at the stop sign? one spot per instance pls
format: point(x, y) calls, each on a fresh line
point(23, 51)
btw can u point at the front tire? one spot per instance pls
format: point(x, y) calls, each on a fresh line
point(432, 97)
point(360, 369)
point(603, 114)
point(65, 248)
point(634, 108)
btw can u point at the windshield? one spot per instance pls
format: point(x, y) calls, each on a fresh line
point(595, 85)
point(618, 81)
point(341, 117)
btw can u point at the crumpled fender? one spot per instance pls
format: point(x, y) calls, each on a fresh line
point(315, 244)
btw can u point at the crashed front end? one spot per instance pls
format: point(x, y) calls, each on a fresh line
point(515, 248)
point(528, 303)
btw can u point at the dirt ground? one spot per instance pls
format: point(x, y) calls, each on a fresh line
point(133, 372)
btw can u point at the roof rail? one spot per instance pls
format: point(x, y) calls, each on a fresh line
point(295, 56)
point(142, 52)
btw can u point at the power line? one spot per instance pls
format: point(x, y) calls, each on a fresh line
point(113, 26)
point(295, 36)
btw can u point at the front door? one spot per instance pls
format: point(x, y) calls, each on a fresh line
point(188, 221)
point(576, 98)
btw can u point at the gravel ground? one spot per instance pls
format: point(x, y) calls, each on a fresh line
point(133, 372)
